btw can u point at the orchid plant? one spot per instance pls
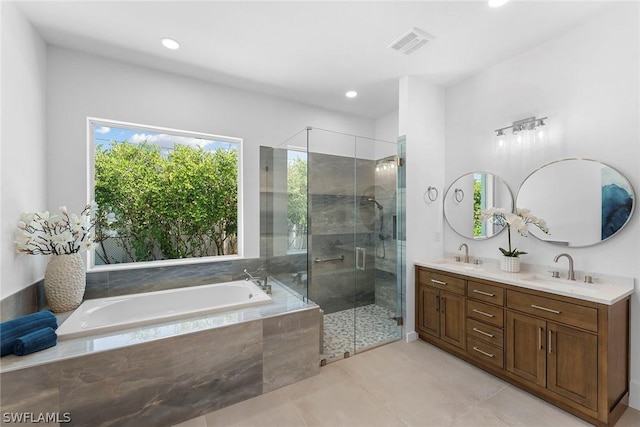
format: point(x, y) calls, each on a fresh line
point(41, 233)
point(519, 221)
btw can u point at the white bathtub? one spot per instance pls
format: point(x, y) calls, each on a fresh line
point(115, 313)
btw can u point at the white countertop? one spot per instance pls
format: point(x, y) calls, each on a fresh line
point(605, 290)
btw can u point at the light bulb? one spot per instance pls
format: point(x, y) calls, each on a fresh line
point(500, 140)
point(170, 44)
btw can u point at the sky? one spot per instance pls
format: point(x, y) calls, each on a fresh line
point(105, 135)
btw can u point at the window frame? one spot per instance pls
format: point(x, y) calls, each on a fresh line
point(90, 162)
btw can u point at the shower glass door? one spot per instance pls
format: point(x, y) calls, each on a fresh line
point(353, 240)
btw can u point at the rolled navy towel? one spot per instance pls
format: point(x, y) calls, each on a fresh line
point(15, 328)
point(35, 341)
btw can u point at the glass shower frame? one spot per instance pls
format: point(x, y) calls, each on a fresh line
point(355, 241)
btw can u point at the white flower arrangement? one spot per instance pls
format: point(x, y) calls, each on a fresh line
point(41, 233)
point(519, 221)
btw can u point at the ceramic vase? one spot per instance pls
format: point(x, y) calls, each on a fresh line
point(64, 282)
point(510, 264)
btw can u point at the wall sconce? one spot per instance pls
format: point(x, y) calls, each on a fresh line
point(523, 131)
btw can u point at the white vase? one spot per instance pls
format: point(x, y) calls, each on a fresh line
point(64, 282)
point(510, 264)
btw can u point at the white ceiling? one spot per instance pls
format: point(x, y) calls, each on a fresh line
point(310, 52)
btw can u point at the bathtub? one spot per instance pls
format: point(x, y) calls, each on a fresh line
point(114, 313)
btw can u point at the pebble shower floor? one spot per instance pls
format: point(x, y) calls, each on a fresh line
point(374, 325)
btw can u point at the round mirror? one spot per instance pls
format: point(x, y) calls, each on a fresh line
point(470, 194)
point(583, 201)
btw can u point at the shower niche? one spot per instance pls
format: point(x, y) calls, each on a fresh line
point(354, 218)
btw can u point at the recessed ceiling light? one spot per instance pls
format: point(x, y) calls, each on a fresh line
point(497, 3)
point(170, 43)
point(351, 94)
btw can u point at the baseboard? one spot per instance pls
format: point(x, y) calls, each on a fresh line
point(634, 394)
point(411, 336)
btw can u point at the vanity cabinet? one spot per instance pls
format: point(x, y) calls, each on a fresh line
point(571, 352)
point(562, 359)
point(440, 307)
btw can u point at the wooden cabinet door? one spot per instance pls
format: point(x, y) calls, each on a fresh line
point(429, 311)
point(526, 346)
point(452, 319)
point(572, 364)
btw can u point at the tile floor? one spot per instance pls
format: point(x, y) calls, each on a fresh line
point(374, 325)
point(398, 384)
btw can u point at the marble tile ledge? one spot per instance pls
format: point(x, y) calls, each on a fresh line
point(606, 289)
point(283, 302)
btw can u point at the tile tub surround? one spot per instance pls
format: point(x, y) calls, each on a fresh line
point(26, 301)
point(102, 284)
point(167, 373)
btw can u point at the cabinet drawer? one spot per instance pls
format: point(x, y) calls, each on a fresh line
point(486, 293)
point(487, 333)
point(558, 311)
point(485, 352)
point(442, 281)
point(485, 313)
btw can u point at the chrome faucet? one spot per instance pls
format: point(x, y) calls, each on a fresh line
point(571, 272)
point(262, 283)
point(466, 251)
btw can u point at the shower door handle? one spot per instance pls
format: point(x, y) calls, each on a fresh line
point(360, 258)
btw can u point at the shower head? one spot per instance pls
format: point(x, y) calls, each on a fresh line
point(376, 202)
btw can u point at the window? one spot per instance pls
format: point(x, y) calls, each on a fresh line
point(174, 193)
point(297, 200)
point(479, 203)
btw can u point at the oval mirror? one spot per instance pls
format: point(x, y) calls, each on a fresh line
point(467, 196)
point(583, 201)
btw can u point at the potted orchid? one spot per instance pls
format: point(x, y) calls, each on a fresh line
point(63, 236)
point(519, 221)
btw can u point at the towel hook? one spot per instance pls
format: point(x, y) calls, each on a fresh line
point(458, 195)
point(431, 195)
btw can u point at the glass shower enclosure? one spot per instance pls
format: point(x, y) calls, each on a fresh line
point(335, 203)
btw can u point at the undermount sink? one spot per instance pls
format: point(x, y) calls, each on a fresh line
point(458, 264)
point(571, 285)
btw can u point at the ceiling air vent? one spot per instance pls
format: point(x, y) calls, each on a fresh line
point(411, 41)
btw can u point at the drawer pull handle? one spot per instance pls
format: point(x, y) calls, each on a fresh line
point(439, 282)
point(483, 352)
point(545, 309)
point(483, 333)
point(484, 293)
point(483, 313)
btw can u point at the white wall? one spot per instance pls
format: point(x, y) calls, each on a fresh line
point(23, 142)
point(81, 85)
point(421, 120)
point(386, 127)
point(587, 82)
